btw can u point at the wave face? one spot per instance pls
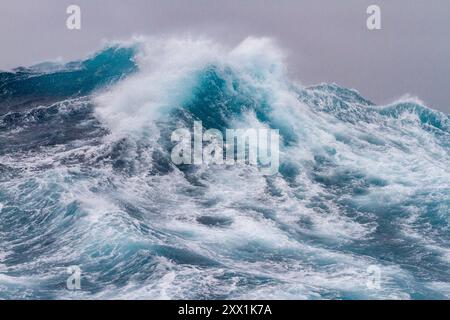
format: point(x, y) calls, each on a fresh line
point(86, 180)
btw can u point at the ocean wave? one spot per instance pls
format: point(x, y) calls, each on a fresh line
point(86, 179)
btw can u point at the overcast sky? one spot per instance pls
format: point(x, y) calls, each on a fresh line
point(327, 40)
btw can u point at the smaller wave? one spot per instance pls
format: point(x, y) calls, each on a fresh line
point(411, 111)
point(44, 84)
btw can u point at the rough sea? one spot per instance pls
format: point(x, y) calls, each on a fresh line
point(86, 180)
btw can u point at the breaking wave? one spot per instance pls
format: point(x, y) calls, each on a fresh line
point(86, 180)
